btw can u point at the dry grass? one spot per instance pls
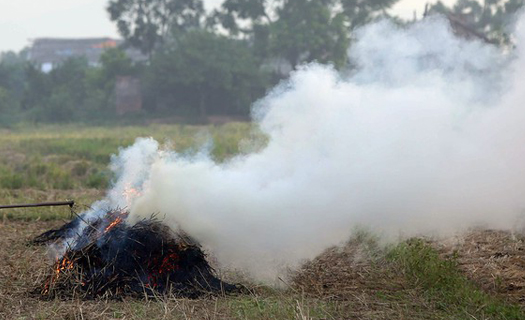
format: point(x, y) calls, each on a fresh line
point(493, 259)
point(347, 283)
point(23, 267)
point(356, 281)
point(363, 282)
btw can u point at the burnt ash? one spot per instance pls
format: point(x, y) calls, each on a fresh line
point(113, 259)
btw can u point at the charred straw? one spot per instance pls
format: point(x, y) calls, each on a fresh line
point(113, 259)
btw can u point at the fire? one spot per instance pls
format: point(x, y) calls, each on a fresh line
point(61, 265)
point(130, 193)
point(113, 224)
point(118, 259)
point(116, 217)
point(162, 265)
point(169, 263)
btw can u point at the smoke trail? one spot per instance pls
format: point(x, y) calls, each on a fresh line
point(427, 136)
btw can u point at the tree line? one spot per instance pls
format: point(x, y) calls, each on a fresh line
point(204, 63)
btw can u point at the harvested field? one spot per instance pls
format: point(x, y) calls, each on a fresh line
point(113, 260)
point(493, 259)
point(24, 267)
point(476, 276)
point(359, 275)
point(357, 281)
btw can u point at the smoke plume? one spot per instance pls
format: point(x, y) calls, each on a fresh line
point(425, 136)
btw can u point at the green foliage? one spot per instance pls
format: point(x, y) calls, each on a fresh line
point(38, 86)
point(12, 83)
point(193, 71)
point(6, 101)
point(361, 12)
point(58, 96)
point(206, 74)
point(75, 91)
point(145, 23)
point(75, 157)
point(116, 63)
point(300, 30)
point(12, 70)
point(309, 30)
point(234, 12)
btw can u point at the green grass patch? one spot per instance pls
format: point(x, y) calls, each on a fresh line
point(76, 157)
point(48, 163)
point(445, 286)
point(279, 306)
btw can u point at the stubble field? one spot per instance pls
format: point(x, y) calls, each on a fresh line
point(478, 275)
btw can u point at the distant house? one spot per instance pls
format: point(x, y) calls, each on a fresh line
point(49, 52)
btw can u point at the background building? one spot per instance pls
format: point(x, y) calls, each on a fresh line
point(49, 52)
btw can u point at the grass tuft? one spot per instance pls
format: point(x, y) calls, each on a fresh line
point(445, 286)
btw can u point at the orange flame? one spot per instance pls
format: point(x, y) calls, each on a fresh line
point(113, 224)
point(130, 193)
point(60, 266)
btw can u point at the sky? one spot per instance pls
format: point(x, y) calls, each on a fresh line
point(23, 20)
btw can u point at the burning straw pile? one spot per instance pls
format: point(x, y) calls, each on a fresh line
point(112, 259)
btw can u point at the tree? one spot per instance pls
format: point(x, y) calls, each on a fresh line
point(361, 12)
point(146, 23)
point(309, 30)
point(116, 63)
point(38, 87)
point(113, 63)
point(298, 30)
point(67, 92)
point(491, 18)
point(5, 100)
point(12, 79)
point(73, 91)
point(206, 73)
point(235, 13)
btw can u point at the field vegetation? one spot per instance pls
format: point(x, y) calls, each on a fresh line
point(202, 64)
point(71, 161)
point(362, 279)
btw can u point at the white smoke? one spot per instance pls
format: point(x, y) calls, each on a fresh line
point(427, 136)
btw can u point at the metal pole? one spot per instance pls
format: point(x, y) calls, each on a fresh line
point(70, 203)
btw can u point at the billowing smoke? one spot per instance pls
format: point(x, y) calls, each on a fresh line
point(427, 135)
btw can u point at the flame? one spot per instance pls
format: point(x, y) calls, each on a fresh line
point(61, 265)
point(168, 264)
point(130, 193)
point(113, 224)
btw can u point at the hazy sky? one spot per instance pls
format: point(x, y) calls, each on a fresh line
point(23, 20)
